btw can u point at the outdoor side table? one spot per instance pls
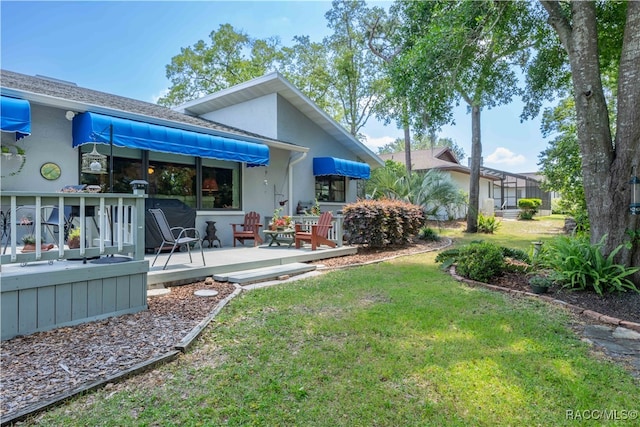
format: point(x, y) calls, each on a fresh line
point(280, 236)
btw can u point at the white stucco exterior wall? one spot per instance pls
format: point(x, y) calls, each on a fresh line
point(50, 141)
point(258, 115)
point(273, 116)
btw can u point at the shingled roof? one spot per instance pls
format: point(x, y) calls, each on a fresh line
point(441, 158)
point(48, 91)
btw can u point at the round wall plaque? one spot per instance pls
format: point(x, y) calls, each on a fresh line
point(50, 171)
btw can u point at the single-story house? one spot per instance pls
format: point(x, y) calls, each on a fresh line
point(258, 146)
point(443, 159)
point(499, 190)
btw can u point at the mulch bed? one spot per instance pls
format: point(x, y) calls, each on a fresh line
point(624, 306)
point(43, 365)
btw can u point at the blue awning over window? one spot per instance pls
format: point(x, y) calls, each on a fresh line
point(16, 116)
point(92, 127)
point(334, 166)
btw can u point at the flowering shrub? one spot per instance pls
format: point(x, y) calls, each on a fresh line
point(284, 221)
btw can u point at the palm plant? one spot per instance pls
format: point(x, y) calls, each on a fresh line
point(434, 190)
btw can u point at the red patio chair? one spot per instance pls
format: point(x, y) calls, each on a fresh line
point(248, 230)
point(318, 235)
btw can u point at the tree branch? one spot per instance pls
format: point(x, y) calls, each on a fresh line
point(559, 22)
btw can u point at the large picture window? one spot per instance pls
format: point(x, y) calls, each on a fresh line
point(172, 176)
point(173, 181)
point(331, 188)
point(127, 167)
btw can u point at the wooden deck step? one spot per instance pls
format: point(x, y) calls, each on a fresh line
point(265, 273)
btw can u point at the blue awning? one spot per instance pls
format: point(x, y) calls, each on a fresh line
point(16, 116)
point(92, 127)
point(334, 166)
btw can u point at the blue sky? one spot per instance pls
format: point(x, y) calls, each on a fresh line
point(123, 47)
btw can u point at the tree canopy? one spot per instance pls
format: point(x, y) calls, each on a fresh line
point(460, 51)
point(231, 58)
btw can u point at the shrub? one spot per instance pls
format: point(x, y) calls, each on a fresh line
point(428, 234)
point(480, 261)
point(487, 224)
point(577, 264)
point(378, 223)
point(528, 208)
point(448, 257)
point(518, 254)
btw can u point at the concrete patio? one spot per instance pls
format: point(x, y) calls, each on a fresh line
point(218, 261)
point(230, 259)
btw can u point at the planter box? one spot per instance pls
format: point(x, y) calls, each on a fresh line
point(51, 298)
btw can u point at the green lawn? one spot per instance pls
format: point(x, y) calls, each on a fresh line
point(392, 344)
point(513, 234)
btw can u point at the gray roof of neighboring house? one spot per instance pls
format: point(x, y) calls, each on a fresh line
point(66, 95)
point(275, 83)
point(441, 158)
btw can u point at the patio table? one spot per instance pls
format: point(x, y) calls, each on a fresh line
point(280, 236)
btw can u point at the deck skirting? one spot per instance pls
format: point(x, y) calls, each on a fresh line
point(33, 301)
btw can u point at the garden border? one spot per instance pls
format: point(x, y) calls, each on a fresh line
point(574, 308)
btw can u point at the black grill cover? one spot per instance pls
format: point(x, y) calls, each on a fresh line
point(178, 214)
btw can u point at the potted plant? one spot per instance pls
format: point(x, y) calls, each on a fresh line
point(539, 284)
point(279, 222)
point(29, 244)
point(73, 240)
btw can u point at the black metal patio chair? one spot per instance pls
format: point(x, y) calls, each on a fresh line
point(186, 237)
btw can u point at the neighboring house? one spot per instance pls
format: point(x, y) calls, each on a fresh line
point(499, 190)
point(511, 187)
point(443, 159)
point(257, 146)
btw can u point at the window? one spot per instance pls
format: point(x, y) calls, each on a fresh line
point(220, 185)
point(218, 189)
point(127, 167)
point(173, 181)
point(171, 176)
point(331, 188)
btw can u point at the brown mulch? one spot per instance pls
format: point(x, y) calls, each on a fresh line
point(39, 367)
point(624, 306)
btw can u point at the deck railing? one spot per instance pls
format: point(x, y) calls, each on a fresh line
point(109, 224)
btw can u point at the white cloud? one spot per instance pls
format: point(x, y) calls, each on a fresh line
point(163, 92)
point(504, 156)
point(374, 143)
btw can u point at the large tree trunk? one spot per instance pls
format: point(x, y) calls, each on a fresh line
point(407, 148)
point(606, 167)
point(474, 180)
